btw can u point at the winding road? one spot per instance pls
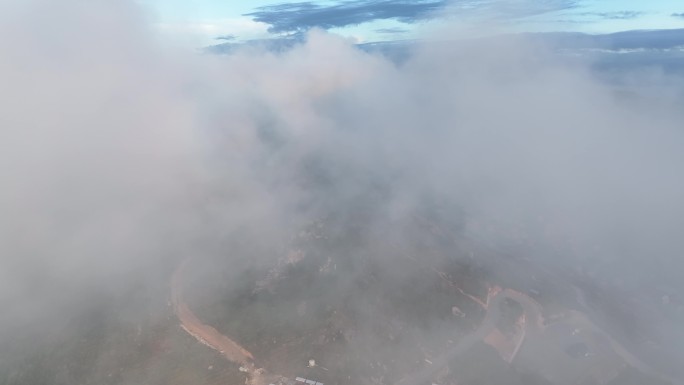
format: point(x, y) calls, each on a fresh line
point(494, 299)
point(204, 333)
point(533, 326)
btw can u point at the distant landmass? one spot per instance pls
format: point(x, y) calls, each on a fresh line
point(662, 39)
point(662, 50)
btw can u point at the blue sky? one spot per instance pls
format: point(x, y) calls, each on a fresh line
point(201, 21)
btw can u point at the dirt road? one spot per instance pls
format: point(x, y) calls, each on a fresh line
point(533, 326)
point(532, 313)
point(203, 332)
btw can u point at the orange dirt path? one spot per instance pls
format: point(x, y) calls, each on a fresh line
point(204, 333)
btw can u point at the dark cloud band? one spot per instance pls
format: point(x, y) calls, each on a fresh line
point(619, 15)
point(302, 16)
point(295, 17)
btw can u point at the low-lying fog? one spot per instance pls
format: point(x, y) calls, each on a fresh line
point(121, 154)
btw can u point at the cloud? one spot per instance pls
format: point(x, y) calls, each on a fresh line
point(120, 159)
point(226, 37)
point(297, 17)
point(391, 31)
point(292, 17)
point(619, 15)
point(514, 9)
point(678, 14)
point(204, 32)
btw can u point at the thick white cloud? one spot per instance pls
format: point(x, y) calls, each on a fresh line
point(116, 153)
